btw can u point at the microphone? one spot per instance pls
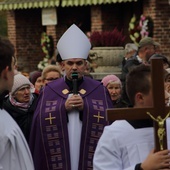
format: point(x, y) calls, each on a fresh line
point(74, 76)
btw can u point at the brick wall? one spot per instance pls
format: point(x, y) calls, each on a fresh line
point(11, 22)
point(24, 30)
point(96, 18)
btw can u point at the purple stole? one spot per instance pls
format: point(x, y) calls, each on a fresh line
point(49, 141)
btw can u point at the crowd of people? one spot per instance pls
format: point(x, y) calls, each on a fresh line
point(57, 118)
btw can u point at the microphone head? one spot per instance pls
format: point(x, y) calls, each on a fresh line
point(74, 75)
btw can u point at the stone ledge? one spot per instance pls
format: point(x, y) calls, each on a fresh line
point(99, 76)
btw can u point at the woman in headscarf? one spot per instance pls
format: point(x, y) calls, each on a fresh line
point(114, 86)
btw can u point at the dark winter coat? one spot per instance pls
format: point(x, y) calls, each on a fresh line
point(23, 118)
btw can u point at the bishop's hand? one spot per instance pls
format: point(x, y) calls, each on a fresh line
point(74, 102)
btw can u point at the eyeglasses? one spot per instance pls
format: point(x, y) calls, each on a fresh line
point(51, 79)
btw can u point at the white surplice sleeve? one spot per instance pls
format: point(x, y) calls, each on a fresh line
point(121, 147)
point(14, 150)
point(108, 155)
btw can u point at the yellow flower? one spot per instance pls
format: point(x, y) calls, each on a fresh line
point(136, 35)
point(133, 19)
point(131, 25)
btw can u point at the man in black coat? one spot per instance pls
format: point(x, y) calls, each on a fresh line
point(147, 47)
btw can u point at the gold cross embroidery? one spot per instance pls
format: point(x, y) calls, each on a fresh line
point(98, 117)
point(50, 118)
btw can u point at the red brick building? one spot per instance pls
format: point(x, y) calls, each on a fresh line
point(25, 26)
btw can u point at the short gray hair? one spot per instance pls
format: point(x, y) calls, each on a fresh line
point(130, 47)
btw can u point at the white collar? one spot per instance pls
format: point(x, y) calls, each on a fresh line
point(139, 59)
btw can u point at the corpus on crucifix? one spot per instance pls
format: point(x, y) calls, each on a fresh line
point(158, 113)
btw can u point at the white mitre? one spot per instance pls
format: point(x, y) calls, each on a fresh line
point(73, 44)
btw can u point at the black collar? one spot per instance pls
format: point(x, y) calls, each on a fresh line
point(70, 83)
point(141, 123)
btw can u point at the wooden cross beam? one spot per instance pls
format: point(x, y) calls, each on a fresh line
point(159, 112)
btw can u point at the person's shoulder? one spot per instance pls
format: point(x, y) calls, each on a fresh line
point(92, 81)
point(57, 82)
point(5, 127)
point(123, 103)
point(34, 102)
point(5, 116)
point(132, 60)
point(5, 100)
point(35, 95)
point(53, 85)
point(119, 127)
point(130, 64)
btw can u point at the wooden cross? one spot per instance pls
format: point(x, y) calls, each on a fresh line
point(159, 111)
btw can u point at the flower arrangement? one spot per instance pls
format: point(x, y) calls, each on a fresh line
point(140, 28)
point(107, 38)
point(47, 46)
